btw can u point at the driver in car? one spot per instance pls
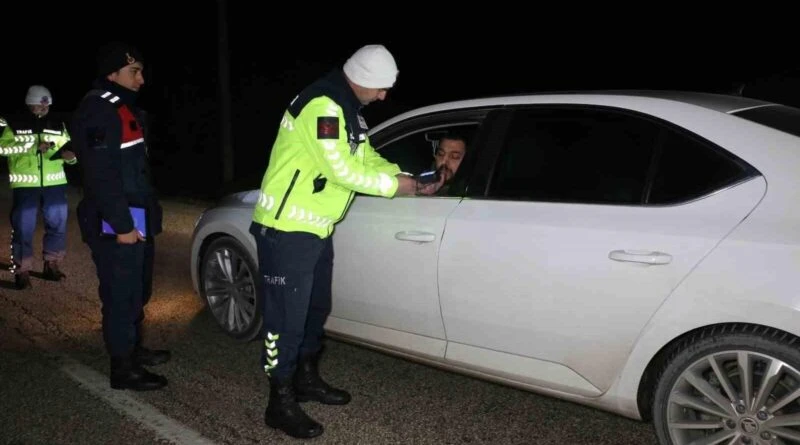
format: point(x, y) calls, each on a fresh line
point(447, 157)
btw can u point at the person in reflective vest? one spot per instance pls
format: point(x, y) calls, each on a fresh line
point(37, 147)
point(320, 159)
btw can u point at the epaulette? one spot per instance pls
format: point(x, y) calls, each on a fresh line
point(110, 97)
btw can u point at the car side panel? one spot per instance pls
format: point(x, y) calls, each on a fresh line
point(751, 277)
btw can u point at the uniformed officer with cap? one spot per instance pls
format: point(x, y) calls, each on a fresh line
point(120, 214)
point(321, 158)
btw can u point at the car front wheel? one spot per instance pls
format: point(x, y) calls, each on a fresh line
point(730, 385)
point(230, 286)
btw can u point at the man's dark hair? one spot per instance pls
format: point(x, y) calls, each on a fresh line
point(454, 136)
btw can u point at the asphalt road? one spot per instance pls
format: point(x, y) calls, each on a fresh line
point(53, 387)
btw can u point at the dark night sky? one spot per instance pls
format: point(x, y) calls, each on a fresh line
point(272, 56)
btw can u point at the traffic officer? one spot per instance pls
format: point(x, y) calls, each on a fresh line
point(321, 157)
point(37, 146)
point(110, 136)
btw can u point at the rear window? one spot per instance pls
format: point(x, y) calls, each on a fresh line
point(779, 117)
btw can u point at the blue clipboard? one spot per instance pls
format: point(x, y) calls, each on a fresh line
point(139, 215)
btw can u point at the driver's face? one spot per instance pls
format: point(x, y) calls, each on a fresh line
point(448, 157)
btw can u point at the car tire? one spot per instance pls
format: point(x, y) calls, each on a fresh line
point(693, 395)
point(232, 292)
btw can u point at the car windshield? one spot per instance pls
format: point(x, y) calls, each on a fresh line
point(779, 117)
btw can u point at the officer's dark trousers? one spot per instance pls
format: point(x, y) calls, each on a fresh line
point(296, 268)
point(125, 272)
point(24, 214)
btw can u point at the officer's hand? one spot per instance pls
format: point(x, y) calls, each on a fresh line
point(68, 155)
point(430, 189)
point(406, 185)
point(43, 146)
point(131, 237)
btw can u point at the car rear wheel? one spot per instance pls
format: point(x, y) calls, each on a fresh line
point(231, 288)
point(730, 385)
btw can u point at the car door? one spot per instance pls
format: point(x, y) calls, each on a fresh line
point(385, 283)
point(591, 217)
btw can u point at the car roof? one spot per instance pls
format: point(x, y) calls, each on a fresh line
point(718, 102)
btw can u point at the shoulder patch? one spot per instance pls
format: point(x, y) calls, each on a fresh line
point(327, 127)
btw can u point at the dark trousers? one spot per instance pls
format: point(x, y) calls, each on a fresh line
point(24, 214)
point(296, 269)
point(125, 272)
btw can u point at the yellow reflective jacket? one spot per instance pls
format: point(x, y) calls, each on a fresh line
point(320, 158)
point(19, 142)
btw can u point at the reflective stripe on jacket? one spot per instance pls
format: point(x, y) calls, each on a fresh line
point(19, 142)
point(320, 158)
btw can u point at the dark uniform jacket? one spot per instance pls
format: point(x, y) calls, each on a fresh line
point(108, 133)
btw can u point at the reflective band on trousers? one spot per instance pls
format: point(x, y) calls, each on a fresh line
point(272, 351)
point(26, 179)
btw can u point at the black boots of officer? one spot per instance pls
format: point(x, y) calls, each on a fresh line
point(283, 412)
point(150, 357)
point(128, 372)
point(310, 386)
point(22, 280)
point(51, 271)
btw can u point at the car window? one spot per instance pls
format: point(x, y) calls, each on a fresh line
point(689, 167)
point(575, 155)
point(414, 151)
point(411, 152)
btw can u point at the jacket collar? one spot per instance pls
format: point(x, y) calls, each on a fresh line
point(347, 95)
point(127, 96)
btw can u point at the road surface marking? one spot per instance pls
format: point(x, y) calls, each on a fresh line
point(147, 415)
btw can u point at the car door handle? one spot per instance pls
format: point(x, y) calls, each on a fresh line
point(414, 235)
point(640, 256)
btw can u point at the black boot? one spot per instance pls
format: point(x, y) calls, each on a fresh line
point(126, 374)
point(150, 357)
point(310, 386)
point(22, 280)
point(284, 413)
point(51, 271)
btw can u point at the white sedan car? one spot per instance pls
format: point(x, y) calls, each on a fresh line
point(638, 252)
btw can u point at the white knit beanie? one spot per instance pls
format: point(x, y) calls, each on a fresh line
point(38, 95)
point(372, 66)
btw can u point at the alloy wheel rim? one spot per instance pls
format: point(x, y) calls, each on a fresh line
point(735, 397)
point(230, 290)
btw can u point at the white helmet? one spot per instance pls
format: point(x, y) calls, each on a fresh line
point(38, 95)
